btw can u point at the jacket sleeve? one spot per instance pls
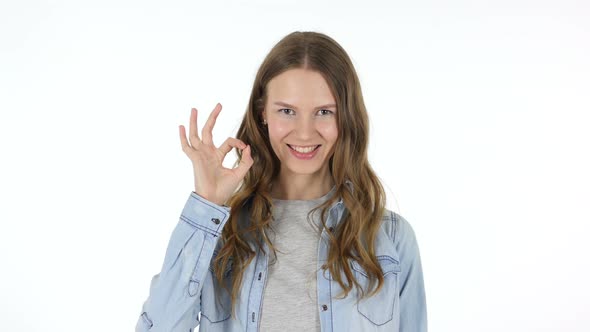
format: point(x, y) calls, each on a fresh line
point(412, 296)
point(174, 299)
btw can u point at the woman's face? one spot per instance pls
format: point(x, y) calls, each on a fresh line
point(301, 112)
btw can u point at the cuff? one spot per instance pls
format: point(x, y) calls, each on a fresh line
point(204, 214)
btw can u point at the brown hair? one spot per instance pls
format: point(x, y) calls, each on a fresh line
point(354, 238)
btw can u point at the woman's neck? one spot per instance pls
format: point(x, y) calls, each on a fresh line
point(301, 188)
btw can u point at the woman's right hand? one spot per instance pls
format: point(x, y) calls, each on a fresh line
point(213, 181)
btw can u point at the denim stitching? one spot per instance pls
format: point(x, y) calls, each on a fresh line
point(393, 308)
point(195, 270)
point(219, 321)
point(222, 211)
point(392, 225)
point(357, 267)
point(214, 232)
point(147, 319)
point(388, 258)
point(359, 310)
point(396, 227)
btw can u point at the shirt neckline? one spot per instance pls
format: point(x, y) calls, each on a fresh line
point(306, 201)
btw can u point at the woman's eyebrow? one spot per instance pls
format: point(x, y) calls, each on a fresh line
point(280, 103)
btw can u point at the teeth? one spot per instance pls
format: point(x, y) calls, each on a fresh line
point(303, 150)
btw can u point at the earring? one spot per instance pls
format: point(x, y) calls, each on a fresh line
point(264, 122)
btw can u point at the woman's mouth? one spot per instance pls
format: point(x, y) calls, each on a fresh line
point(305, 153)
point(306, 149)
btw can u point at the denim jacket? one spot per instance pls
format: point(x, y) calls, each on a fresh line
point(186, 285)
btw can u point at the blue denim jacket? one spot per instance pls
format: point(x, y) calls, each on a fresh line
point(186, 285)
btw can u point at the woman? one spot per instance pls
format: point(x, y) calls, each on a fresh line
point(297, 236)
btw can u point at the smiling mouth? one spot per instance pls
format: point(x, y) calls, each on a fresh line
point(304, 150)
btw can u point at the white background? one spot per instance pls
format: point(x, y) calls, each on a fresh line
point(479, 130)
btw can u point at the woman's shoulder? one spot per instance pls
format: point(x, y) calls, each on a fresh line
point(397, 227)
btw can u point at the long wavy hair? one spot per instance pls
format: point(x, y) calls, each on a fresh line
point(354, 237)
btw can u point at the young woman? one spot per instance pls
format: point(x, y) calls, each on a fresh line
point(297, 236)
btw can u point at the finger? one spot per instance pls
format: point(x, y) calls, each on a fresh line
point(245, 163)
point(208, 128)
point(230, 143)
point(193, 129)
point(183, 142)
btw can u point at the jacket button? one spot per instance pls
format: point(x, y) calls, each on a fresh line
point(331, 229)
point(324, 307)
point(215, 220)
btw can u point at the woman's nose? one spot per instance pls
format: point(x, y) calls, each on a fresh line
point(305, 128)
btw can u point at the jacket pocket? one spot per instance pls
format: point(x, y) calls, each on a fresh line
point(215, 300)
point(379, 308)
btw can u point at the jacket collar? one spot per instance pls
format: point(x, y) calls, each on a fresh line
point(337, 208)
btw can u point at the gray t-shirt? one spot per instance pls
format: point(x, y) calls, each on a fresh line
point(290, 296)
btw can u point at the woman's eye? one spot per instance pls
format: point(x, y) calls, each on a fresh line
point(285, 109)
point(282, 110)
